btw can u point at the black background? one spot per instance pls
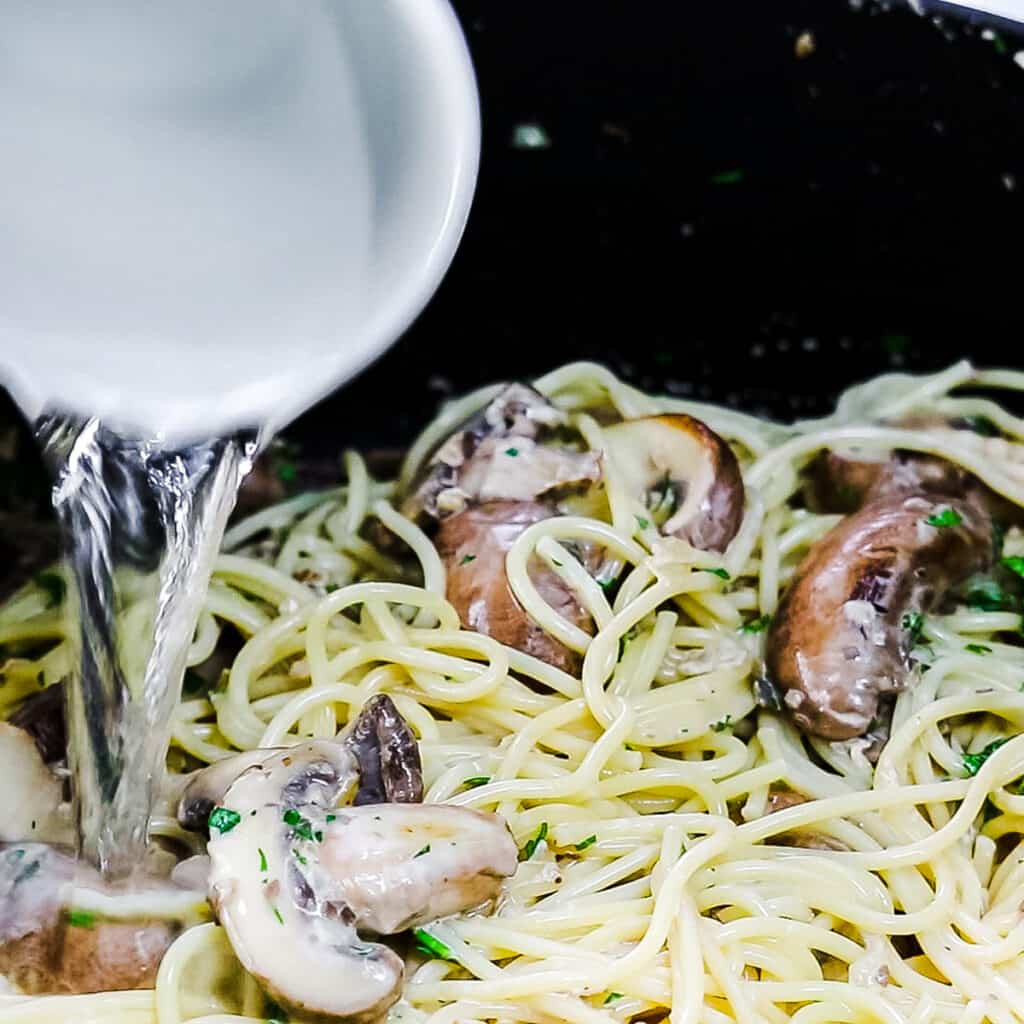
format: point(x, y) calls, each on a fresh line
point(715, 216)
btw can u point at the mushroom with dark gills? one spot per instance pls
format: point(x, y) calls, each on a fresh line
point(385, 765)
point(294, 878)
point(841, 638)
point(682, 471)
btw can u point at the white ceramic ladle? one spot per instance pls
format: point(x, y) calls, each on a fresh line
point(213, 214)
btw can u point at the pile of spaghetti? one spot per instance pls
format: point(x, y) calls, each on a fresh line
point(688, 848)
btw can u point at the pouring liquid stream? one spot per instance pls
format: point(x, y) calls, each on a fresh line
point(141, 526)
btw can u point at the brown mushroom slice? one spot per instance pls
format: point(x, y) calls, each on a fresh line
point(308, 957)
point(61, 931)
point(473, 545)
point(504, 452)
point(397, 866)
point(684, 472)
point(30, 793)
point(840, 638)
point(387, 754)
point(280, 886)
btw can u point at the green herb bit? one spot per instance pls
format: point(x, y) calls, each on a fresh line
point(731, 177)
point(981, 425)
point(1014, 563)
point(300, 826)
point(758, 625)
point(277, 914)
point(987, 596)
point(642, 523)
point(299, 857)
point(611, 997)
point(531, 844)
point(263, 859)
point(513, 452)
point(607, 585)
point(973, 762)
point(223, 819)
point(54, 585)
point(476, 780)
point(420, 853)
point(330, 818)
point(945, 517)
point(978, 649)
point(426, 943)
point(724, 725)
point(722, 574)
point(466, 559)
point(81, 918)
point(287, 472)
point(556, 562)
point(913, 623)
point(1000, 46)
point(584, 844)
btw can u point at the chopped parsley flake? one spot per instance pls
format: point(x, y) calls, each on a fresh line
point(263, 860)
point(531, 844)
point(223, 820)
point(54, 585)
point(913, 623)
point(1015, 564)
point(946, 517)
point(277, 914)
point(298, 856)
point(426, 943)
point(973, 762)
point(611, 997)
point(466, 559)
point(420, 853)
point(722, 574)
point(642, 523)
point(731, 177)
point(287, 472)
point(476, 780)
point(988, 596)
point(81, 918)
point(330, 818)
point(978, 649)
point(583, 844)
point(300, 826)
point(513, 452)
point(724, 725)
point(758, 625)
point(981, 425)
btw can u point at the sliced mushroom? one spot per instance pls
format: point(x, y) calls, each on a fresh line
point(841, 638)
point(385, 750)
point(504, 452)
point(41, 715)
point(844, 480)
point(276, 888)
point(473, 545)
point(684, 472)
point(50, 942)
point(397, 866)
point(29, 792)
point(780, 800)
point(387, 754)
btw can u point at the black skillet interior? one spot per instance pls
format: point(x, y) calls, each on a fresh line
point(753, 203)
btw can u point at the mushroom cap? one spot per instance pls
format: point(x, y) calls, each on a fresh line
point(397, 866)
point(499, 454)
point(838, 642)
point(308, 956)
point(473, 545)
point(677, 459)
point(46, 949)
